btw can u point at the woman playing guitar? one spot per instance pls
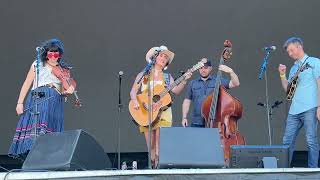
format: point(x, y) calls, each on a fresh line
point(162, 57)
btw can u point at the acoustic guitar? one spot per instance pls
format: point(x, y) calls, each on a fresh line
point(161, 100)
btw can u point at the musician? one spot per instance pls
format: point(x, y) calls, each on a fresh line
point(163, 58)
point(304, 110)
point(198, 89)
point(45, 94)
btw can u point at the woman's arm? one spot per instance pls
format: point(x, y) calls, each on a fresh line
point(134, 90)
point(24, 89)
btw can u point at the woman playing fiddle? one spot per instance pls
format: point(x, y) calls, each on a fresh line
point(45, 94)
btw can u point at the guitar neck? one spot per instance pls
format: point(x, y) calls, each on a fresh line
point(181, 78)
point(302, 68)
point(171, 86)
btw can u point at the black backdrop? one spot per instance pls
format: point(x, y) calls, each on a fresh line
point(103, 37)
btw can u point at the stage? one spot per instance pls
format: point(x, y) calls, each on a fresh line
point(226, 174)
point(107, 43)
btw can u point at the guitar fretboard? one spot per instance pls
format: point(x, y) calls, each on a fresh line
point(213, 106)
point(301, 69)
point(181, 78)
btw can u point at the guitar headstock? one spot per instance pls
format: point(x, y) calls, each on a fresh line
point(227, 51)
point(199, 65)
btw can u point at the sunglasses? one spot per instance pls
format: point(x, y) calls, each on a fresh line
point(53, 54)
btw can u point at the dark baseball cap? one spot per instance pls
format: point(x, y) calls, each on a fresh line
point(208, 63)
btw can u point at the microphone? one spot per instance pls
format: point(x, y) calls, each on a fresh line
point(120, 74)
point(147, 69)
point(39, 48)
point(120, 78)
point(154, 56)
point(270, 48)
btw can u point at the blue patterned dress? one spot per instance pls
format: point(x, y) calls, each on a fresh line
point(50, 116)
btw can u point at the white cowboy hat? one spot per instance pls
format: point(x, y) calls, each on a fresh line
point(161, 49)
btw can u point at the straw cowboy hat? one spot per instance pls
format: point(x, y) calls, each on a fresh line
point(161, 49)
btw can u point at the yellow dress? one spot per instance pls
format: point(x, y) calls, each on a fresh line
point(165, 119)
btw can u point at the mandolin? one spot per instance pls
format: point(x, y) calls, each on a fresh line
point(292, 86)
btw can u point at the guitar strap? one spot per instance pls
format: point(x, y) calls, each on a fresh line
point(299, 68)
point(166, 77)
point(303, 63)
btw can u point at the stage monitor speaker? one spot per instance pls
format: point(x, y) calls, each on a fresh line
point(69, 150)
point(190, 148)
point(256, 156)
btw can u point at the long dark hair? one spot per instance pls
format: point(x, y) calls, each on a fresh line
point(53, 45)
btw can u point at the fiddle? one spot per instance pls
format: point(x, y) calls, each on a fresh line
point(63, 74)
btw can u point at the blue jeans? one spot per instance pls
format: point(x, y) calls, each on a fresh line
point(309, 120)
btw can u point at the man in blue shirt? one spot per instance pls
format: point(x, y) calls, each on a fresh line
point(304, 110)
point(200, 88)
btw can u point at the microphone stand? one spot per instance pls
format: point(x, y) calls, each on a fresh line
point(119, 118)
point(39, 95)
point(263, 69)
point(147, 69)
point(146, 72)
point(35, 96)
point(150, 111)
point(275, 105)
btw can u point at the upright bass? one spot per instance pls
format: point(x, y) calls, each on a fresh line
point(221, 110)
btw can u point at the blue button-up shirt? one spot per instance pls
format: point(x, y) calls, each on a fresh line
point(306, 95)
point(197, 91)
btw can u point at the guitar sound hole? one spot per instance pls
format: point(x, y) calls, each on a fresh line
point(156, 98)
